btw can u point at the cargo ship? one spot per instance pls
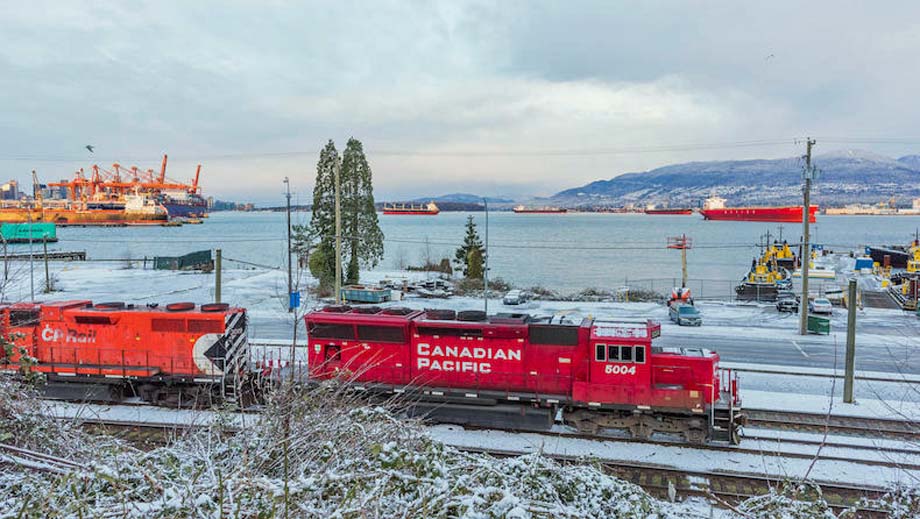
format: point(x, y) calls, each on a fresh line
point(182, 204)
point(714, 209)
point(429, 209)
point(539, 210)
point(685, 210)
point(130, 210)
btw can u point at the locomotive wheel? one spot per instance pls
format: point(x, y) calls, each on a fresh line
point(180, 307)
point(695, 436)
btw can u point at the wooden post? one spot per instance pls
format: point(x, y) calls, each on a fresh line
point(217, 268)
point(851, 344)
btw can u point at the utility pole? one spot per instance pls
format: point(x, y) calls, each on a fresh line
point(485, 270)
point(290, 291)
point(217, 272)
point(851, 344)
point(47, 274)
point(682, 243)
point(31, 265)
point(338, 233)
point(806, 249)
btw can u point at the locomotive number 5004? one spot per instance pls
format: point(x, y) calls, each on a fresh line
point(619, 369)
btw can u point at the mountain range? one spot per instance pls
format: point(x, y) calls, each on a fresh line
point(843, 177)
point(463, 198)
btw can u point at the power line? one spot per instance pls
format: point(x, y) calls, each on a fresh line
point(453, 153)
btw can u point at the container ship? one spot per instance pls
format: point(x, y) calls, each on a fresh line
point(429, 209)
point(714, 209)
point(539, 210)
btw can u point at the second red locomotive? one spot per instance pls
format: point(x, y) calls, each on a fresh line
point(176, 354)
point(505, 368)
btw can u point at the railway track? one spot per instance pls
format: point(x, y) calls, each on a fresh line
point(834, 424)
point(729, 487)
point(659, 480)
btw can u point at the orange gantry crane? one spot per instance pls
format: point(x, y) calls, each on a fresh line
point(114, 185)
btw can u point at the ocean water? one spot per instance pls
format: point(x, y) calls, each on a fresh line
point(565, 252)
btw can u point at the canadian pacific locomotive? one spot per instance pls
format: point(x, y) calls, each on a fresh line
point(519, 371)
point(177, 354)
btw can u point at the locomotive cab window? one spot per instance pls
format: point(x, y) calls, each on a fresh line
point(613, 353)
point(600, 352)
point(626, 354)
point(640, 354)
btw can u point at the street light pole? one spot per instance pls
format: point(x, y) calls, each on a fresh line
point(806, 252)
point(338, 233)
point(485, 270)
point(290, 291)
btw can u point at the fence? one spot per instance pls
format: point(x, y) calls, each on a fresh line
point(722, 289)
point(199, 260)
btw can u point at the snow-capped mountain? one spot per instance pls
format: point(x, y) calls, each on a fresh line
point(843, 176)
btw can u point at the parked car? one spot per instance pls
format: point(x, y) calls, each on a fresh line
point(785, 294)
point(685, 315)
point(788, 304)
point(820, 306)
point(514, 297)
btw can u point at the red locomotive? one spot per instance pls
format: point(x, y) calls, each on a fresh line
point(518, 370)
point(176, 354)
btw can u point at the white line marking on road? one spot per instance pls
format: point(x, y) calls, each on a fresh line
point(800, 349)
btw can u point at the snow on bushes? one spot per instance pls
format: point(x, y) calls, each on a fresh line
point(311, 453)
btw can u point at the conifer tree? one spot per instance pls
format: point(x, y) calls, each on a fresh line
point(471, 242)
point(362, 237)
point(322, 223)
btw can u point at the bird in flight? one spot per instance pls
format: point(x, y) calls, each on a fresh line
point(90, 148)
point(771, 56)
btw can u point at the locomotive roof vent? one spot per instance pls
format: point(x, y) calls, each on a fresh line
point(565, 319)
point(367, 310)
point(397, 310)
point(471, 315)
point(440, 315)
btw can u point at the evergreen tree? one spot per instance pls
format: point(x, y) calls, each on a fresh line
point(322, 223)
point(471, 242)
point(362, 237)
point(474, 264)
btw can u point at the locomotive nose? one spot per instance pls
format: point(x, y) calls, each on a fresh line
point(218, 353)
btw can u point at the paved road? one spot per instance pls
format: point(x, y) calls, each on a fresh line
point(899, 356)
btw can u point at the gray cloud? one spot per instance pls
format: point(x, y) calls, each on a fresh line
point(229, 83)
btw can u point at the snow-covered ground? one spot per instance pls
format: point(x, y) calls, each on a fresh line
point(770, 457)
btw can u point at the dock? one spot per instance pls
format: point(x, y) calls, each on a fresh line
point(52, 256)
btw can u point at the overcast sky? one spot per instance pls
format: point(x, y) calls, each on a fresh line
point(495, 98)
